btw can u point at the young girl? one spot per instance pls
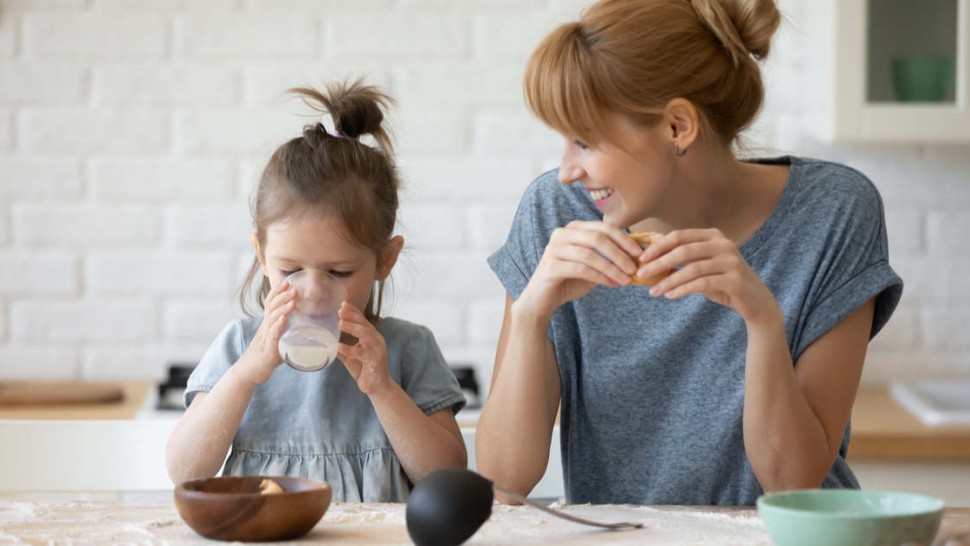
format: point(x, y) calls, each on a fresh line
point(735, 374)
point(383, 417)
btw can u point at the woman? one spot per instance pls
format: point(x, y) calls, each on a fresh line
point(736, 373)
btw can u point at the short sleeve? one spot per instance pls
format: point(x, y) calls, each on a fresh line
point(224, 350)
point(546, 205)
point(518, 258)
point(426, 377)
point(854, 267)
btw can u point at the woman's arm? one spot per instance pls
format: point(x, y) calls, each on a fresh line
point(514, 431)
point(794, 418)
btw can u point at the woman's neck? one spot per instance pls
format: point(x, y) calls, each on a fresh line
point(717, 191)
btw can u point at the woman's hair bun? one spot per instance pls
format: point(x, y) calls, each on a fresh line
point(356, 109)
point(744, 27)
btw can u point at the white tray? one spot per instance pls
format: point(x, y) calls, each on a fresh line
point(935, 402)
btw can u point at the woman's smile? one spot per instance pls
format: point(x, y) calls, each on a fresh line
point(601, 196)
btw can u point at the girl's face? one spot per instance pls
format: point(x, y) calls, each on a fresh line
point(318, 242)
point(626, 184)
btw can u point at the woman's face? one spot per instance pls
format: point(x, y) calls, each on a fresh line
point(317, 242)
point(628, 183)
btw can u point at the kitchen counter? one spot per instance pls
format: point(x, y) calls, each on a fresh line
point(100, 522)
point(134, 395)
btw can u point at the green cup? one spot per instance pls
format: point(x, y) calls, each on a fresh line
point(922, 79)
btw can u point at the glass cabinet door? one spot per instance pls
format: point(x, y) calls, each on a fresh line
point(889, 70)
point(912, 51)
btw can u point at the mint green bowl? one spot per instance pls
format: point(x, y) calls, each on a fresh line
point(849, 517)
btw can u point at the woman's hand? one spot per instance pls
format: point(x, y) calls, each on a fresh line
point(263, 354)
point(367, 359)
point(577, 258)
point(708, 263)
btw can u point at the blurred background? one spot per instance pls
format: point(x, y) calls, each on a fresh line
point(132, 133)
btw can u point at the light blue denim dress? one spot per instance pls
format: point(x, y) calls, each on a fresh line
point(318, 424)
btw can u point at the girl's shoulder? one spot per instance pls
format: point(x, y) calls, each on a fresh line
point(399, 333)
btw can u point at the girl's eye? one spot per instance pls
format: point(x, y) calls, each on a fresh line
point(341, 274)
point(581, 145)
point(288, 273)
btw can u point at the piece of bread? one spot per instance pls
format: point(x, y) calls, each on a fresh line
point(269, 487)
point(645, 239)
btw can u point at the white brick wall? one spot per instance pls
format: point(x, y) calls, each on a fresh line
point(132, 133)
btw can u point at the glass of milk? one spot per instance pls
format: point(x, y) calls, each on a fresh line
point(309, 342)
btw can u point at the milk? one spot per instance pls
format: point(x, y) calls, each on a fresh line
point(308, 348)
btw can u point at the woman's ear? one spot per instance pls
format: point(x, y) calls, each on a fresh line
point(260, 256)
point(389, 257)
point(683, 120)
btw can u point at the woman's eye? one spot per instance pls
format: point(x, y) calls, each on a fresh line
point(341, 274)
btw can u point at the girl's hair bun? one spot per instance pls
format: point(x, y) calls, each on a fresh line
point(356, 109)
point(744, 27)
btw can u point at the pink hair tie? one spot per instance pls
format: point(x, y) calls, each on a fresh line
point(336, 134)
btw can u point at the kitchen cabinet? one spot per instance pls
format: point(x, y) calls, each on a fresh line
point(886, 70)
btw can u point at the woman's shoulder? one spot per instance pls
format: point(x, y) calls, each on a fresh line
point(830, 182)
point(551, 201)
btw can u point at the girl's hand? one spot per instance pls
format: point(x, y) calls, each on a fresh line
point(263, 354)
point(709, 263)
point(577, 258)
point(367, 359)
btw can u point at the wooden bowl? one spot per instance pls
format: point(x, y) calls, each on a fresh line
point(232, 508)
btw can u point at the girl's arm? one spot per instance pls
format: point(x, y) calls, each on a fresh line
point(423, 443)
point(202, 437)
point(515, 429)
point(794, 415)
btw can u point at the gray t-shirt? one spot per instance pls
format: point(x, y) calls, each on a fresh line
point(653, 389)
point(318, 424)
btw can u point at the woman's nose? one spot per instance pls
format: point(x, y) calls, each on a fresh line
point(569, 168)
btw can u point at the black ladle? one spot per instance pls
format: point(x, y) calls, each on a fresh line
point(448, 506)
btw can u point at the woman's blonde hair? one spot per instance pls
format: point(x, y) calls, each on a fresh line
point(632, 56)
point(331, 173)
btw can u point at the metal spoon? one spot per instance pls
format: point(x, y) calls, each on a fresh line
point(564, 515)
point(447, 507)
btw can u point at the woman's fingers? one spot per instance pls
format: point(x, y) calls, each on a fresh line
point(602, 239)
point(591, 251)
point(578, 262)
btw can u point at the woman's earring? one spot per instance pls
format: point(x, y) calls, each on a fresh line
point(678, 152)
